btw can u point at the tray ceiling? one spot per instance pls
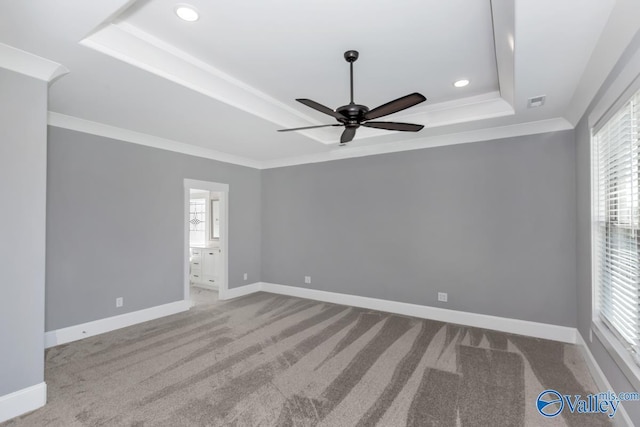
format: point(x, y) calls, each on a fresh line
point(226, 82)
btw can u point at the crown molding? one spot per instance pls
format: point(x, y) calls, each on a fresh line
point(520, 129)
point(101, 129)
point(29, 64)
point(94, 128)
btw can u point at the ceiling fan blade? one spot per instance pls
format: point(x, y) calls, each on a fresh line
point(320, 107)
point(307, 127)
point(395, 106)
point(404, 127)
point(347, 135)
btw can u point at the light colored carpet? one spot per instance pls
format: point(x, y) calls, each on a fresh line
point(269, 360)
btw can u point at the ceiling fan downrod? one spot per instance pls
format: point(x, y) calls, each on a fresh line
point(351, 56)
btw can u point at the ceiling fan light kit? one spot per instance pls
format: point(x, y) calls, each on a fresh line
point(352, 115)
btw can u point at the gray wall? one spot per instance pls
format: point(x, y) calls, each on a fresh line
point(23, 155)
point(115, 225)
point(584, 284)
point(490, 223)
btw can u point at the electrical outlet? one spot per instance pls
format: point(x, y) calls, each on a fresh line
point(119, 302)
point(307, 280)
point(246, 276)
point(590, 335)
point(442, 296)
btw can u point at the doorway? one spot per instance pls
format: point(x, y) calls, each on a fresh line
point(206, 241)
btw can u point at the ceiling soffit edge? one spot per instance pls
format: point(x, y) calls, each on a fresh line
point(504, 19)
point(135, 47)
point(29, 64)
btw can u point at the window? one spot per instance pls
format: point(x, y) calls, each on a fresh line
point(197, 221)
point(616, 163)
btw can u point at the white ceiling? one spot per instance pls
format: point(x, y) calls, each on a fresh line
point(289, 48)
point(221, 86)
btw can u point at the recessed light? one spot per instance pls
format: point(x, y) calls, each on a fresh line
point(187, 13)
point(461, 83)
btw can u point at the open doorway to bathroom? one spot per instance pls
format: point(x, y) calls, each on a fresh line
point(205, 241)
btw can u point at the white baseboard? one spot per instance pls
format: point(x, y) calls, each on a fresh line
point(621, 419)
point(89, 329)
point(503, 324)
point(240, 291)
point(22, 401)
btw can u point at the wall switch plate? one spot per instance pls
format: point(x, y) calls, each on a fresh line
point(442, 296)
point(307, 280)
point(246, 276)
point(590, 335)
point(119, 302)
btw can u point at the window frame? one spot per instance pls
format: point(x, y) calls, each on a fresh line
point(620, 92)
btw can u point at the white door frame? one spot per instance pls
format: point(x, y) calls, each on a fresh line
point(223, 189)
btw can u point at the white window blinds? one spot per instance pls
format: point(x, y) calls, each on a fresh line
point(617, 214)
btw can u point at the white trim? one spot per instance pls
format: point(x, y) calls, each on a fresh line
point(503, 324)
point(619, 92)
point(622, 418)
point(619, 354)
point(503, 15)
point(186, 236)
point(29, 64)
point(22, 401)
point(97, 327)
point(240, 291)
point(487, 134)
point(223, 190)
point(113, 132)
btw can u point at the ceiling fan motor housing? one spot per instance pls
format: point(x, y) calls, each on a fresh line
point(353, 114)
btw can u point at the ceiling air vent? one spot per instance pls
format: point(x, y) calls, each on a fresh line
point(536, 101)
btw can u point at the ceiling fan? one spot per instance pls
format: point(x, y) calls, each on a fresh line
point(353, 115)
